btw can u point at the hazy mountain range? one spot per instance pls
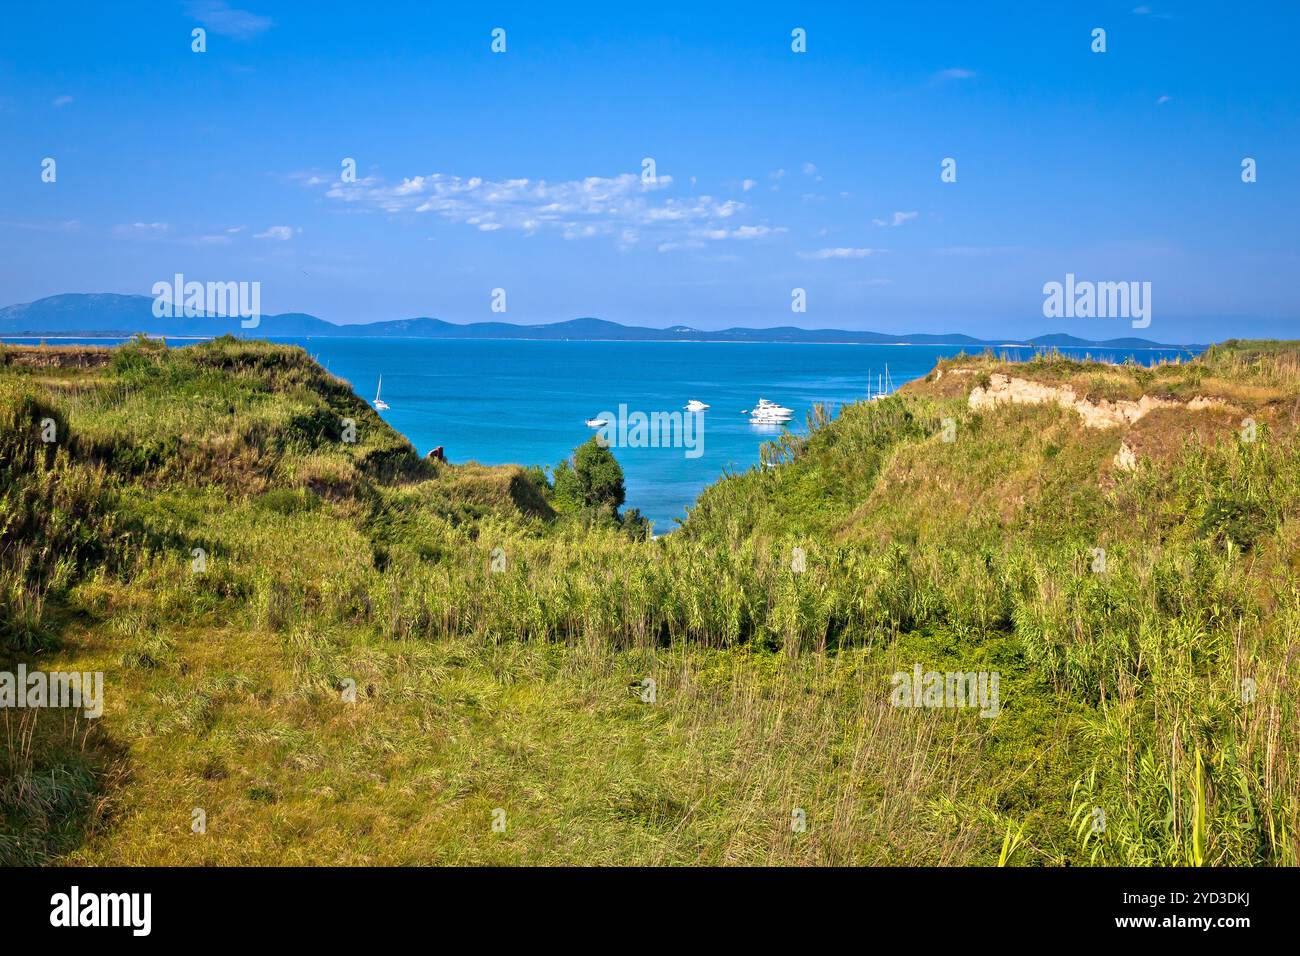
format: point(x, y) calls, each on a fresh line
point(89, 315)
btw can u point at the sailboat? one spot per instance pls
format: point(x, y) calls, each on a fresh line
point(884, 386)
point(379, 403)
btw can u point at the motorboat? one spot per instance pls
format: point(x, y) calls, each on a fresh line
point(769, 413)
point(597, 422)
point(694, 405)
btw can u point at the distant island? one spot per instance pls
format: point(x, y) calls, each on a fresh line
point(109, 315)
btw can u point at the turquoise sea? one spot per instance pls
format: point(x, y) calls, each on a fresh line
point(498, 401)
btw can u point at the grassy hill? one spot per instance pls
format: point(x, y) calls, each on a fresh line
point(376, 653)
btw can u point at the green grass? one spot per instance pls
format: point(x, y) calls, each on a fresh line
point(336, 560)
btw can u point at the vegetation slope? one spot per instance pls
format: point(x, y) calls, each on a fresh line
point(340, 653)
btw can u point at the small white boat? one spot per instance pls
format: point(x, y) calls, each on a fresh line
point(379, 403)
point(596, 422)
point(695, 406)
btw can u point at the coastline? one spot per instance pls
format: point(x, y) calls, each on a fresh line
point(23, 339)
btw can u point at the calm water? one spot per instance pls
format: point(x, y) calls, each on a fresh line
point(503, 401)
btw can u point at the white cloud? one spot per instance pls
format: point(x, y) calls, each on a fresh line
point(622, 206)
point(1163, 100)
point(142, 230)
point(60, 101)
point(278, 233)
point(754, 232)
point(217, 239)
point(748, 184)
point(953, 73)
point(841, 252)
point(222, 19)
point(161, 231)
point(897, 219)
point(740, 232)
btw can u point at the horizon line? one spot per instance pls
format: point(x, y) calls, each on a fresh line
point(1008, 341)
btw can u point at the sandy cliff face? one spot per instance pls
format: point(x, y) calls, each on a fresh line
point(56, 356)
point(1101, 414)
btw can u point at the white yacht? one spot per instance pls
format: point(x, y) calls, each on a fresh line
point(379, 403)
point(769, 413)
point(597, 422)
point(694, 405)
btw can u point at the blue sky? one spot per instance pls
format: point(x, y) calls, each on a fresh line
point(775, 170)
